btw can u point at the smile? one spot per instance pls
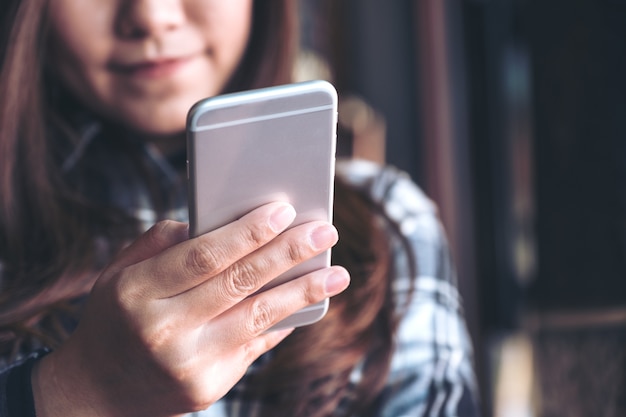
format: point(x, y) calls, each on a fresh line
point(151, 69)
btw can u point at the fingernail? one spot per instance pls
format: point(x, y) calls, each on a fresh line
point(337, 281)
point(323, 237)
point(282, 217)
point(184, 233)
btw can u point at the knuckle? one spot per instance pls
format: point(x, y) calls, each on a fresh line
point(157, 337)
point(311, 291)
point(295, 253)
point(157, 234)
point(125, 294)
point(194, 396)
point(251, 351)
point(312, 294)
point(197, 404)
point(202, 259)
point(240, 280)
point(261, 316)
point(256, 236)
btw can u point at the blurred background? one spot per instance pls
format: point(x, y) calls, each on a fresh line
point(511, 114)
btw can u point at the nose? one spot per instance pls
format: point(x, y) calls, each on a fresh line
point(143, 18)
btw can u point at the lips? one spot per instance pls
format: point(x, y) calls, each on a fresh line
point(150, 69)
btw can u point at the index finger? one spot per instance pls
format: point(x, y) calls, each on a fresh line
point(198, 259)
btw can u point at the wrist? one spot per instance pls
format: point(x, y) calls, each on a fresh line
point(58, 391)
point(62, 388)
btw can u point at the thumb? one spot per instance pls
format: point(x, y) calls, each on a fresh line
point(158, 238)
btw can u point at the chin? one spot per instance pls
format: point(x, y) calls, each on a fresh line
point(159, 115)
point(157, 123)
point(159, 130)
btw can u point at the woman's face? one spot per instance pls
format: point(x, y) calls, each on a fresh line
point(143, 63)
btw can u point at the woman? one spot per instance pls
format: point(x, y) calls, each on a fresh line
point(95, 95)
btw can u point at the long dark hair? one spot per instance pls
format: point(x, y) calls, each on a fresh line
point(40, 223)
point(48, 253)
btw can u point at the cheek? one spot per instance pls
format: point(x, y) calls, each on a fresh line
point(227, 32)
point(79, 42)
point(80, 28)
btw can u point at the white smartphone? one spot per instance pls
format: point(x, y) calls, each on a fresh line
point(250, 148)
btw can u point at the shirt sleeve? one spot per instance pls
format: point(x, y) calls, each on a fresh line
point(16, 394)
point(431, 371)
